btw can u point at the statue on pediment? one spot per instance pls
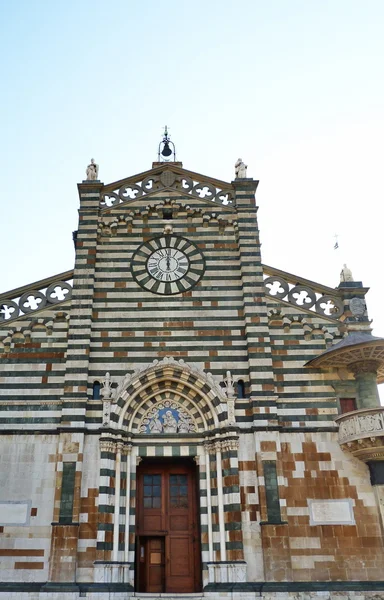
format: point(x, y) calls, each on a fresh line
point(240, 169)
point(92, 171)
point(346, 274)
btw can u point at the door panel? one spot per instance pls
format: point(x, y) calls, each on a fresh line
point(155, 553)
point(179, 523)
point(167, 520)
point(180, 557)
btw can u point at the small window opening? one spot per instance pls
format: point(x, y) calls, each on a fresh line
point(167, 213)
point(240, 388)
point(67, 492)
point(272, 492)
point(347, 405)
point(96, 390)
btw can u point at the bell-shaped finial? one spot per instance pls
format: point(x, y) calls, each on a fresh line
point(166, 148)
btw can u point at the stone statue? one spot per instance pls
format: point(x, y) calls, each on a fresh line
point(170, 423)
point(155, 425)
point(106, 391)
point(229, 385)
point(92, 170)
point(240, 169)
point(346, 274)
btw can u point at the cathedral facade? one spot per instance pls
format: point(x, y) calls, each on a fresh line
point(178, 418)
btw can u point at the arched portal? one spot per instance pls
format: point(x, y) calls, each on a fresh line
point(171, 431)
point(173, 380)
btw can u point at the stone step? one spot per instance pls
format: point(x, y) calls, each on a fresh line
point(167, 596)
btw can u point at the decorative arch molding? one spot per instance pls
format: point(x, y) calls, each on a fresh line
point(184, 383)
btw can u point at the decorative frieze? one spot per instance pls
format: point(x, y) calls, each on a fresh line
point(304, 296)
point(168, 180)
point(32, 300)
point(363, 423)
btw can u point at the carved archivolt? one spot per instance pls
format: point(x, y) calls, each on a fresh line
point(196, 393)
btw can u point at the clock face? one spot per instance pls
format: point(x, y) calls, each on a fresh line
point(167, 265)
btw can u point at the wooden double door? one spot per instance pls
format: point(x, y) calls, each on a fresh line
point(167, 535)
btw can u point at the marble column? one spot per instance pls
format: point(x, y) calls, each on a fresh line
point(365, 372)
point(220, 501)
point(128, 450)
point(116, 517)
point(107, 465)
point(209, 501)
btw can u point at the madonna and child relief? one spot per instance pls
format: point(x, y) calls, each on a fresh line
point(167, 417)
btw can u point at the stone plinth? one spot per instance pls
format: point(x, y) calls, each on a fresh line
point(227, 572)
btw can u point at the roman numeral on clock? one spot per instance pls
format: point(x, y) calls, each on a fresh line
point(167, 265)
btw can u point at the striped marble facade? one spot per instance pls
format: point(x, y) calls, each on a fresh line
point(260, 454)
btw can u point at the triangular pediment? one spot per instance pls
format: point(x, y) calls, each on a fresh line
point(169, 178)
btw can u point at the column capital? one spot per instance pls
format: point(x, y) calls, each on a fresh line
point(364, 366)
point(107, 445)
point(127, 449)
point(230, 445)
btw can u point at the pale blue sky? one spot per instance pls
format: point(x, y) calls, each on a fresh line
point(294, 87)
